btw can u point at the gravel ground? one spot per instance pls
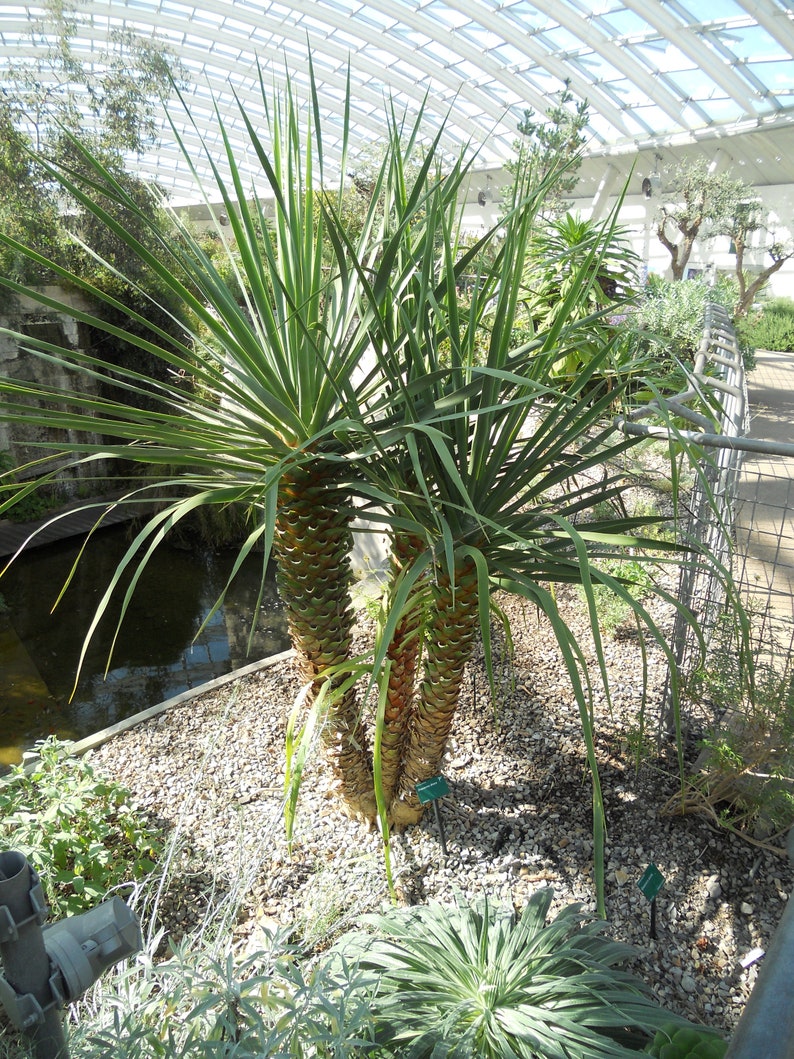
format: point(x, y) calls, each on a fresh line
point(517, 817)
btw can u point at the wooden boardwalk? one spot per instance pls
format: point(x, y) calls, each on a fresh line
point(74, 521)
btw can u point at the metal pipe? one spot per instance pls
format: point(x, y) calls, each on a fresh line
point(27, 966)
point(717, 441)
point(47, 968)
point(766, 1027)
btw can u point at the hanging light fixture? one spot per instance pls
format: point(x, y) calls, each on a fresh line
point(652, 185)
point(485, 195)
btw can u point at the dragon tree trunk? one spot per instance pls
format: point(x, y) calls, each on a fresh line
point(403, 656)
point(450, 641)
point(312, 549)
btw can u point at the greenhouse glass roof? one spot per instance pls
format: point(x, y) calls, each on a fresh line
point(656, 73)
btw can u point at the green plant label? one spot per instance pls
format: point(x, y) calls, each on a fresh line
point(651, 881)
point(429, 790)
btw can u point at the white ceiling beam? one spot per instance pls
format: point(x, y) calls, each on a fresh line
point(494, 22)
point(694, 47)
point(778, 23)
point(463, 71)
point(617, 56)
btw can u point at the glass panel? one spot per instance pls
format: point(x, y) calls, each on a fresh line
point(438, 51)
point(692, 10)
point(601, 129)
point(444, 15)
point(380, 57)
point(509, 55)
point(483, 38)
point(548, 83)
point(513, 35)
point(635, 124)
point(350, 40)
point(371, 16)
point(219, 48)
point(623, 23)
point(412, 37)
point(720, 110)
point(690, 84)
point(526, 13)
point(662, 55)
point(561, 39)
point(170, 7)
point(777, 76)
point(750, 42)
point(504, 96)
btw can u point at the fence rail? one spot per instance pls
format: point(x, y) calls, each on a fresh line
point(742, 512)
point(742, 504)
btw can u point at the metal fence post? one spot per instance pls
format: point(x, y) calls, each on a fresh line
point(766, 1027)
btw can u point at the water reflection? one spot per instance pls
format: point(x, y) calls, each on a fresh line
point(154, 657)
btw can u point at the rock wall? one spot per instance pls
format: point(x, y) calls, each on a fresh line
point(25, 442)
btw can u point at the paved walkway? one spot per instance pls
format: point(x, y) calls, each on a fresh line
point(765, 508)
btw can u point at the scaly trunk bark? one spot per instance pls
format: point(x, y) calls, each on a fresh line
point(312, 549)
point(450, 643)
point(403, 654)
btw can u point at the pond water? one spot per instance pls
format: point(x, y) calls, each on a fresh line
point(157, 654)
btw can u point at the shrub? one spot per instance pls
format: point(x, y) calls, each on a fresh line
point(770, 327)
point(671, 314)
point(191, 1006)
point(476, 980)
point(615, 615)
point(78, 831)
point(31, 507)
point(745, 776)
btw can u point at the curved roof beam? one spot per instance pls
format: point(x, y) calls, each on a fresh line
point(299, 35)
point(199, 53)
point(774, 19)
point(480, 63)
point(582, 27)
point(692, 46)
point(493, 20)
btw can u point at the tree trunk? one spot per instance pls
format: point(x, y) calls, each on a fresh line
point(747, 294)
point(680, 252)
point(451, 637)
point(403, 654)
point(312, 549)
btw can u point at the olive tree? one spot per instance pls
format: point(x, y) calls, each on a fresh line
point(704, 204)
point(748, 218)
point(696, 199)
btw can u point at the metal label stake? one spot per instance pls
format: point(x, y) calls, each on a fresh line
point(650, 883)
point(430, 791)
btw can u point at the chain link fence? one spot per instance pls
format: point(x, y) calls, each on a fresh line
point(741, 507)
point(763, 561)
point(741, 515)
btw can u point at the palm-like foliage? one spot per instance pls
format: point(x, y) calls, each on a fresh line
point(325, 368)
point(560, 256)
point(281, 396)
point(501, 482)
point(477, 980)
